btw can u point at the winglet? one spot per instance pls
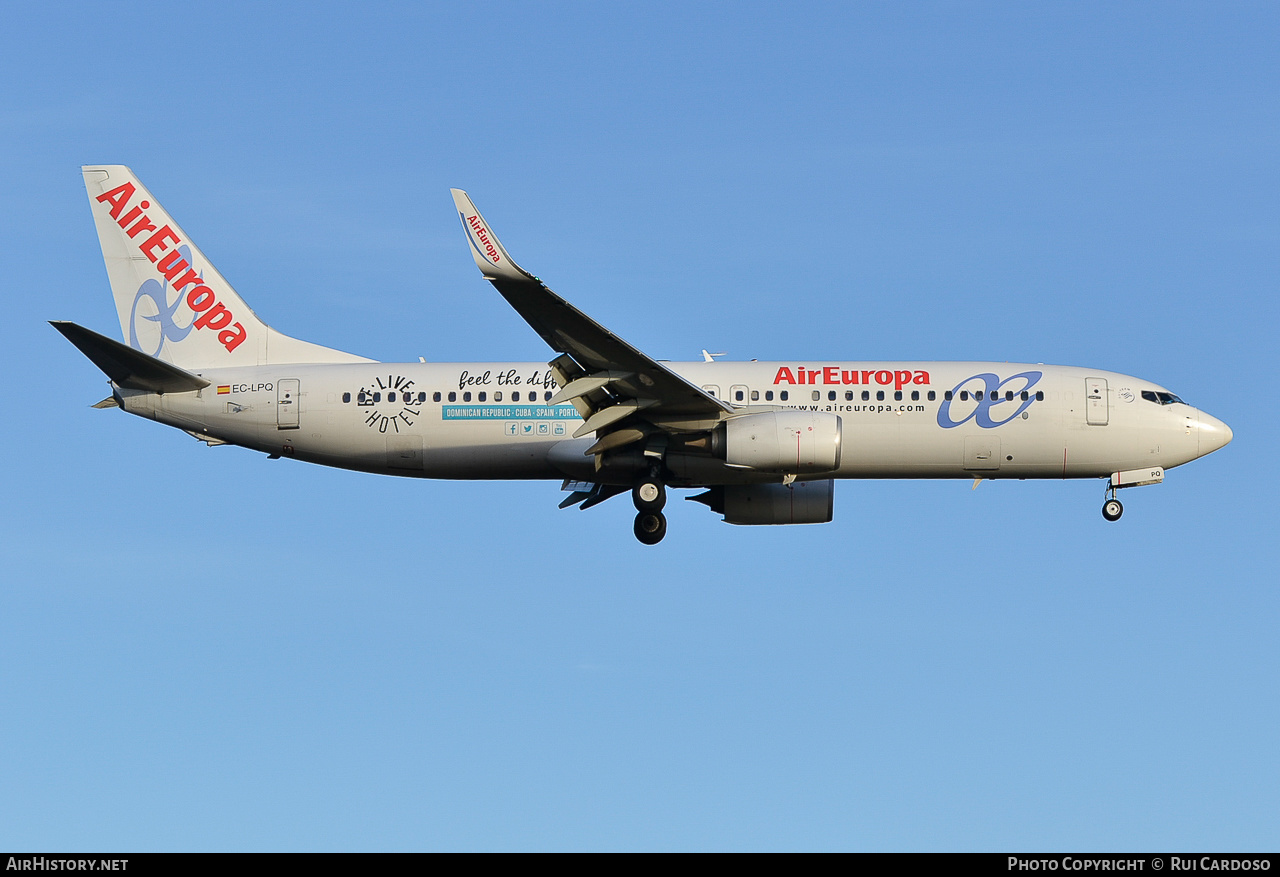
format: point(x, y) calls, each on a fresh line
point(491, 257)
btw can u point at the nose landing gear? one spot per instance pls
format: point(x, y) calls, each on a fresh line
point(1111, 508)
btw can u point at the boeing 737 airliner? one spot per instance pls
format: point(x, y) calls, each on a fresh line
point(765, 440)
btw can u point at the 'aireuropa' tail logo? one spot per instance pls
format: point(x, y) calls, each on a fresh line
point(480, 238)
point(175, 267)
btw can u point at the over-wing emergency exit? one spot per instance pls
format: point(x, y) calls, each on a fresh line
point(764, 441)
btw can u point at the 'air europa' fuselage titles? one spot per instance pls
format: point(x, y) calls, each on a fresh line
point(830, 374)
point(212, 314)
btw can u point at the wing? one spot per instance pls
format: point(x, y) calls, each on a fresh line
point(611, 383)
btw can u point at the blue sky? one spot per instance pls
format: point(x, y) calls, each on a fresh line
point(205, 650)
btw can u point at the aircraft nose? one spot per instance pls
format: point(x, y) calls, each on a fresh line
point(1213, 434)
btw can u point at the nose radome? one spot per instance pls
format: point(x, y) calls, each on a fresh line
point(1213, 434)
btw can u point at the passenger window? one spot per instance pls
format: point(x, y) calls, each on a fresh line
point(1008, 395)
point(1025, 395)
point(755, 395)
point(947, 395)
point(422, 397)
point(546, 397)
point(831, 395)
point(739, 396)
point(768, 395)
point(933, 396)
point(482, 396)
point(453, 397)
point(466, 397)
point(377, 397)
point(435, 397)
point(897, 395)
point(866, 395)
point(391, 397)
point(782, 394)
point(1039, 395)
point(346, 397)
point(816, 395)
point(712, 390)
point(915, 395)
point(848, 395)
point(964, 395)
point(515, 396)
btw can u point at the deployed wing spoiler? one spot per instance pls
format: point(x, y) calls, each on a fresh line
point(129, 368)
point(634, 380)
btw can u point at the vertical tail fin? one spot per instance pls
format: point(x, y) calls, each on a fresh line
point(172, 303)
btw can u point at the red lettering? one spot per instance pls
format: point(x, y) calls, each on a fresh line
point(830, 375)
point(800, 372)
point(143, 224)
point(484, 238)
point(813, 377)
point(133, 214)
point(172, 265)
point(900, 378)
point(866, 377)
point(784, 376)
point(117, 198)
point(217, 317)
point(200, 298)
point(231, 338)
point(884, 376)
point(921, 378)
point(158, 240)
point(848, 377)
point(190, 277)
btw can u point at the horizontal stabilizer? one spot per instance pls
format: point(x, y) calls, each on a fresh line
point(129, 368)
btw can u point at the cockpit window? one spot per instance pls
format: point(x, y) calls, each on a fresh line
point(1161, 398)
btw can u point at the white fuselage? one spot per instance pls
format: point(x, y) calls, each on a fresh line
point(899, 419)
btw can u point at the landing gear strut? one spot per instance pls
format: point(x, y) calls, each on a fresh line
point(1111, 508)
point(650, 527)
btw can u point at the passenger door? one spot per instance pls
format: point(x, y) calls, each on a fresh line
point(287, 403)
point(1096, 401)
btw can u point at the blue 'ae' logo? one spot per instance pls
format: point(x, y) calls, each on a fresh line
point(989, 396)
point(159, 294)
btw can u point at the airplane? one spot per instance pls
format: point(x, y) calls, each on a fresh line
point(764, 441)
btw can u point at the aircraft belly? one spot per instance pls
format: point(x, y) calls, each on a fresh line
point(506, 460)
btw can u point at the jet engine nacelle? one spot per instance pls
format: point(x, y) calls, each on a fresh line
point(795, 442)
point(801, 502)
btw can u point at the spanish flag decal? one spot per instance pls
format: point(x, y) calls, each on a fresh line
point(224, 389)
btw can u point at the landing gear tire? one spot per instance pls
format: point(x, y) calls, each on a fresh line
point(649, 495)
point(650, 527)
point(1112, 510)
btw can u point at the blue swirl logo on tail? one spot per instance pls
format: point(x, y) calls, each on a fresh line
point(158, 293)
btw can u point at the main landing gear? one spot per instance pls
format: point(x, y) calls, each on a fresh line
point(1111, 508)
point(649, 496)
